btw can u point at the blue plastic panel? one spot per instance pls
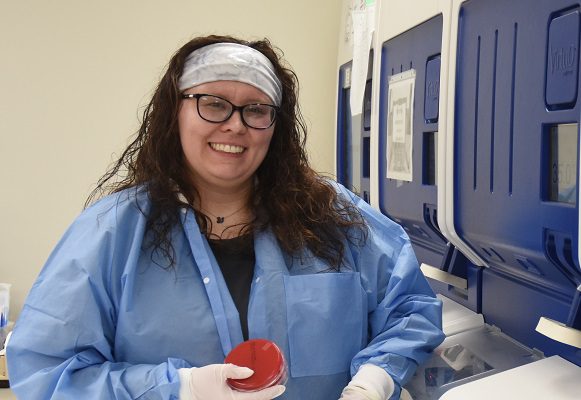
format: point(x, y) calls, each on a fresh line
point(503, 163)
point(411, 49)
point(346, 137)
point(563, 60)
point(344, 161)
point(502, 132)
point(516, 309)
point(405, 201)
point(432, 90)
point(414, 204)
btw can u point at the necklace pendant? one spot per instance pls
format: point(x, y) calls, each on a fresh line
point(220, 220)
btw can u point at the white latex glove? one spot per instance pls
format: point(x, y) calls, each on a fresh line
point(369, 383)
point(356, 394)
point(209, 383)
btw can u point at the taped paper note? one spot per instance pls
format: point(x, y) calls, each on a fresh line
point(363, 26)
point(399, 146)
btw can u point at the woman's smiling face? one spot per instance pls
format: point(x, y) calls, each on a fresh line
point(227, 154)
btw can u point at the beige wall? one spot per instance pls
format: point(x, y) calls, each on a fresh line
point(75, 75)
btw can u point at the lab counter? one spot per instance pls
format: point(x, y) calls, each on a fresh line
point(6, 394)
point(550, 378)
point(467, 356)
point(478, 361)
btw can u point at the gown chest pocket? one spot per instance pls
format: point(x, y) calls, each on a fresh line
point(325, 318)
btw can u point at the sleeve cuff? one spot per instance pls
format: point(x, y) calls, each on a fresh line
point(374, 380)
point(184, 375)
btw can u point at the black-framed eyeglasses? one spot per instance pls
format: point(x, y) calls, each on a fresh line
point(216, 109)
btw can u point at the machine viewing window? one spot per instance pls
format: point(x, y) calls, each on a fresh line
point(430, 159)
point(366, 169)
point(367, 107)
point(562, 165)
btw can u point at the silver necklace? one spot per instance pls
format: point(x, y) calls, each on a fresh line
point(220, 218)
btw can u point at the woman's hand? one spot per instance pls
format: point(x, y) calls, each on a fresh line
point(356, 393)
point(369, 383)
point(209, 382)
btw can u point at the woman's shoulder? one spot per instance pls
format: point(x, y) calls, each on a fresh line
point(118, 207)
point(341, 190)
point(111, 223)
point(379, 223)
point(343, 193)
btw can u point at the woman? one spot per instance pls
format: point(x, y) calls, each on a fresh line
point(220, 231)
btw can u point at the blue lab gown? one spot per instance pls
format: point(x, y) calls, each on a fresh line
point(105, 321)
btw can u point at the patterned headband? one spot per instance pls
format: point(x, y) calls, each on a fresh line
point(231, 62)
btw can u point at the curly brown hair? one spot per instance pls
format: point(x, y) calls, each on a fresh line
point(301, 207)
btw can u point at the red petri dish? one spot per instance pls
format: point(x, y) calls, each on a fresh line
point(264, 358)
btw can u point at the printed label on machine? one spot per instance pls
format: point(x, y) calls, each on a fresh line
point(399, 144)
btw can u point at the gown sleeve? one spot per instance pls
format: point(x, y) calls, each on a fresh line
point(405, 317)
point(62, 345)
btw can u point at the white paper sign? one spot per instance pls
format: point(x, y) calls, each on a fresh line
point(399, 146)
point(363, 20)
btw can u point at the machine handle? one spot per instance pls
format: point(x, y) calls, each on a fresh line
point(443, 276)
point(559, 332)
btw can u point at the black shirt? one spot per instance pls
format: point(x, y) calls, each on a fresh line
point(236, 259)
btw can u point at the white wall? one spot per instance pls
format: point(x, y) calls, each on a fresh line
point(75, 75)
